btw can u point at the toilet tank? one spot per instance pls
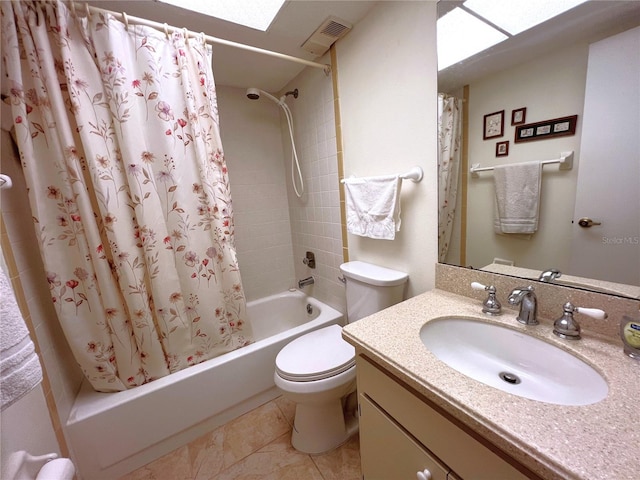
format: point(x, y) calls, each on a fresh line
point(371, 288)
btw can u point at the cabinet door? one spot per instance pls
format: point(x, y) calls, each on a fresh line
point(388, 452)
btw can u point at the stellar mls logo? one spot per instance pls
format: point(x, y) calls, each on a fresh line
point(621, 240)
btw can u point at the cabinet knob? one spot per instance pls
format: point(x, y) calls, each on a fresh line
point(424, 475)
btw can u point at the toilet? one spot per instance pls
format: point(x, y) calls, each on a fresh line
point(317, 371)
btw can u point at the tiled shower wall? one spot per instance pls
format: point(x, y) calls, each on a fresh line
point(252, 144)
point(275, 228)
point(315, 218)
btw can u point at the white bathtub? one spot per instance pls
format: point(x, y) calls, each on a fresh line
point(111, 434)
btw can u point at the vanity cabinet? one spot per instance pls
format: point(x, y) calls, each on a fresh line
point(401, 435)
point(390, 452)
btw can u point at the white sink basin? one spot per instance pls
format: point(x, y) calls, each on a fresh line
point(513, 362)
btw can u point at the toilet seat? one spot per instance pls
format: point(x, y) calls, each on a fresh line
point(315, 356)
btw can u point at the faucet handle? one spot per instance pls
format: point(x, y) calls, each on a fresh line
point(592, 312)
point(479, 286)
point(567, 327)
point(491, 306)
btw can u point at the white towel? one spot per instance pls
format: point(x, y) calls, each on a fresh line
point(517, 197)
point(19, 365)
point(373, 206)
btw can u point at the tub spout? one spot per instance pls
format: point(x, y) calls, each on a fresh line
point(306, 281)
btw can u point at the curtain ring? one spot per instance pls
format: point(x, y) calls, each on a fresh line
point(86, 8)
point(203, 40)
point(185, 34)
point(126, 20)
point(166, 30)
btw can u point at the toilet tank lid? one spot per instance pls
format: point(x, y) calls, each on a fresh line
point(373, 274)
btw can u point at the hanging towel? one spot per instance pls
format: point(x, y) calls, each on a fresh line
point(19, 365)
point(517, 197)
point(373, 206)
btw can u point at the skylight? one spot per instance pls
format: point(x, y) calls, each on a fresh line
point(256, 14)
point(459, 37)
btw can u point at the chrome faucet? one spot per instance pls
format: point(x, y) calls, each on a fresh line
point(305, 281)
point(491, 306)
point(549, 275)
point(528, 302)
point(568, 327)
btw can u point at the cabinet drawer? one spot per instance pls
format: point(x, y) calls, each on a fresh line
point(465, 455)
point(387, 452)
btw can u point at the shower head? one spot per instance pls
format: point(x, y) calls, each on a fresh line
point(253, 93)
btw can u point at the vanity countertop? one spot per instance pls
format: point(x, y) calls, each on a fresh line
point(600, 441)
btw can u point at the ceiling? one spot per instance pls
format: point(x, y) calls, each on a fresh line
point(588, 22)
point(298, 19)
point(295, 22)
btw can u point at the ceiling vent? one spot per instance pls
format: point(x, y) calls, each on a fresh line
point(331, 30)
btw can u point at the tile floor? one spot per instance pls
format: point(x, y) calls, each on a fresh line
point(255, 446)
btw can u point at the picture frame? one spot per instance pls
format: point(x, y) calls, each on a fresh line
point(518, 116)
point(493, 125)
point(556, 127)
point(502, 149)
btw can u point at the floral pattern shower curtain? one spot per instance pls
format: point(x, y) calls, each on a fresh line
point(117, 128)
point(449, 137)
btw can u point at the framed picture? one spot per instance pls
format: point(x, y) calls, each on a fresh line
point(502, 149)
point(557, 127)
point(518, 116)
point(493, 125)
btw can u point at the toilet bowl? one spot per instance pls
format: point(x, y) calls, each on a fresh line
point(317, 370)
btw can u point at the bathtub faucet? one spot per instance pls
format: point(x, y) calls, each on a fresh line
point(305, 282)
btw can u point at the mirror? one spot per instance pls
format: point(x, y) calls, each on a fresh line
point(542, 70)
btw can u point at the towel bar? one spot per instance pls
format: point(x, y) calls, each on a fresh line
point(565, 161)
point(415, 175)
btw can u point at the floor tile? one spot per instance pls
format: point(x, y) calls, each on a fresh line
point(174, 465)
point(277, 461)
point(255, 446)
point(343, 463)
point(287, 407)
point(226, 445)
point(206, 455)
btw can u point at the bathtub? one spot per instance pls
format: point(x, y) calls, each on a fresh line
point(111, 434)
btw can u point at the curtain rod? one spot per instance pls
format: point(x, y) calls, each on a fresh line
point(167, 28)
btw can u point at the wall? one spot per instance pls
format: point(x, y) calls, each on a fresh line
point(62, 377)
point(549, 87)
point(315, 217)
point(251, 138)
point(275, 228)
point(387, 83)
point(26, 426)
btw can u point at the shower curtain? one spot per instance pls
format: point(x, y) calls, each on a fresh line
point(117, 128)
point(449, 137)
